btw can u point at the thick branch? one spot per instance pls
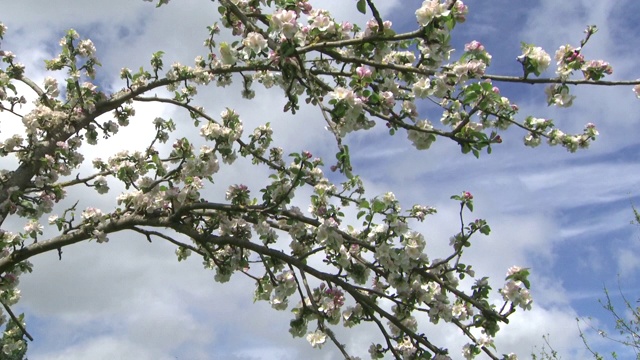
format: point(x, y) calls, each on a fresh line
point(108, 226)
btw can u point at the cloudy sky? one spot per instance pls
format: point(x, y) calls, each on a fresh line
point(567, 216)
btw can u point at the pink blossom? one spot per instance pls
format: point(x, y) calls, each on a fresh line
point(363, 71)
point(474, 46)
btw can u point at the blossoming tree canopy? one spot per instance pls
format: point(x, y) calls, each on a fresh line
point(328, 269)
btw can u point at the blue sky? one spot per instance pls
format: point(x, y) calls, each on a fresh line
point(567, 216)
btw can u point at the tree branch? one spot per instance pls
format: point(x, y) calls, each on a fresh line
point(17, 321)
point(517, 79)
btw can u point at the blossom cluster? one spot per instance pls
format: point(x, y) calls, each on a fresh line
point(534, 59)
point(544, 127)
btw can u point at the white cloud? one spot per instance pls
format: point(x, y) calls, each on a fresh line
point(628, 260)
point(524, 333)
point(106, 348)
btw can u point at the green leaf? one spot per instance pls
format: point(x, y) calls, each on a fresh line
point(287, 49)
point(374, 98)
point(362, 6)
point(363, 204)
point(471, 96)
point(378, 206)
